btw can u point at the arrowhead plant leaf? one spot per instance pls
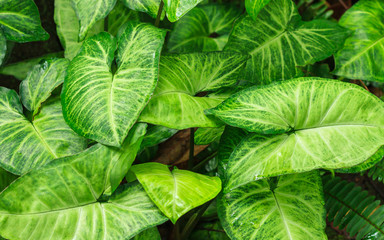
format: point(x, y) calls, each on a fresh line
point(363, 52)
point(174, 103)
point(25, 144)
point(41, 81)
point(119, 16)
point(278, 41)
point(101, 104)
point(176, 192)
point(20, 21)
point(300, 125)
point(294, 209)
point(253, 7)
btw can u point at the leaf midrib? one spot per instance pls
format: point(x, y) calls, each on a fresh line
point(282, 215)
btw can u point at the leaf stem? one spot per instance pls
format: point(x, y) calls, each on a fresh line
point(365, 86)
point(157, 22)
point(191, 148)
point(192, 222)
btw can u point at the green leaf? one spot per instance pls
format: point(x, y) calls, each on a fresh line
point(3, 47)
point(26, 145)
point(41, 81)
point(119, 16)
point(64, 196)
point(311, 123)
point(203, 29)
point(102, 105)
point(68, 27)
point(91, 11)
point(363, 53)
point(377, 171)
point(253, 7)
point(176, 192)
point(21, 69)
point(371, 162)
point(5, 179)
point(157, 134)
point(278, 41)
point(150, 7)
point(149, 234)
point(204, 136)
point(175, 104)
point(293, 210)
point(209, 231)
point(20, 21)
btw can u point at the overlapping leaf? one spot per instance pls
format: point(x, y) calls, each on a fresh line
point(292, 210)
point(157, 134)
point(175, 104)
point(20, 21)
point(311, 123)
point(371, 162)
point(91, 11)
point(102, 105)
point(203, 29)
point(363, 53)
point(176, 192)
point(26, 145)
point(119, 16)
point(5, 179)
point(64, 196)
point(68, 27)
point(148, 6)
point(254, 7)
point(278, 41)
point(41, 81)
point(205, 136)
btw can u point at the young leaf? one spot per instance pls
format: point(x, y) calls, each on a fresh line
point(26, 145)
point(278, 41)
point(91, 11)
point(119, 16)
point(204, 136)
point(363, 52)
point(176, 192)
point(68, 27)
point(175, 104)
point(102, 105)
point(20, 21)
point(253, 7)
point(311, 123)
point(291, 210)
point(203, 29)
point(41, 81)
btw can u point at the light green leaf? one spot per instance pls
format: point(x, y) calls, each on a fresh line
point(64, 196)
point(253, 7)
point(21, 69)
point(20, 21)
point(90, 12)
point(3, 47)
point(68, 27)
point(41, 81)
point(312, 123)
point(204, 136)
point(149, 234)
point(363, 52)
point(5, 179)
point(176, 192)
point(371, 162)
point(175, 104)
point(157, 134)
point(203, 29)
point(26, 145)
point(119, 16)
point(102, 105)
point(278, 41)
point(292, 210)
point(150, 7)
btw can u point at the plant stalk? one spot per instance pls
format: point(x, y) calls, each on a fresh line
point(158, 17)
point(191, 148)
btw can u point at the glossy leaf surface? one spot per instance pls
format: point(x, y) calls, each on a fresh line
point(253, 7)
point(363, 52)
point(176, 192)
point(293, 210)
point(278, 41)
point(102, 105)
point(311, 123)
point(41, 81)
point(205, 28)
point(20, 21)
point(91, 11)
point(68, 27)
point(26, 145)
point(175, 104)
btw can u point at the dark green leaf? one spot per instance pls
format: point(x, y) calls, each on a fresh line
point(5, 179)
point(149, 234)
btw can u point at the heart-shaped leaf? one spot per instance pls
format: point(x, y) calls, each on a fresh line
point(41, 81)
point(253, 7)
point(175, 104)
point(91, 11)
point(311, 123)
point(68, 26)
point(294, 209)
point(26, 145)
point(176, 192)
point(20, 21)
point(278, 41)
point(363, 53)
point(203, 29)
point(102, 105)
